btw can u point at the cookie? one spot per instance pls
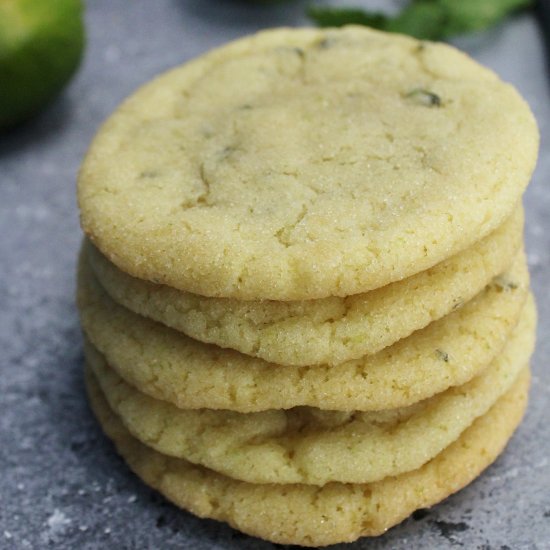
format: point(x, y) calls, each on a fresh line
point(307, 445)
point(168, 365)
point(304, 163)
point(316, 516)
point(327, 331)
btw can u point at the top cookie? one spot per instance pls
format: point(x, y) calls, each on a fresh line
point(300, 164)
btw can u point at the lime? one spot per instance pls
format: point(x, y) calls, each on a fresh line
point(41, 44)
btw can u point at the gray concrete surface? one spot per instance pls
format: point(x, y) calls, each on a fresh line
point(61, 484)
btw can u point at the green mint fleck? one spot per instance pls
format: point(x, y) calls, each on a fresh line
point(149, 174)
point(327, 43)
point(457, 303)
point(424, 97)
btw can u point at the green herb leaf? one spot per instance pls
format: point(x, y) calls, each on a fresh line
point(425, 19)
point(476, 15)
point(337, 17)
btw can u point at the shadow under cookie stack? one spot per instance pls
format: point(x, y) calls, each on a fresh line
point(304, 294)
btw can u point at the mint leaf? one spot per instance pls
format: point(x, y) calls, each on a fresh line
point(337, 17)
point(475, 15)
point(425, 19)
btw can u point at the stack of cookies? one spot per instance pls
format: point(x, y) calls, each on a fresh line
point(303, 290)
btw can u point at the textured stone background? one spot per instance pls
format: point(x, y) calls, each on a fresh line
point(61, 484)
